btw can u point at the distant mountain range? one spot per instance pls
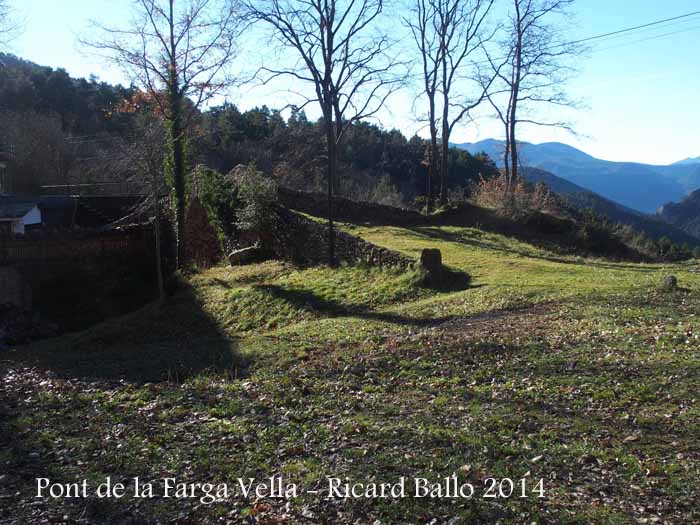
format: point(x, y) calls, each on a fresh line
point(642, 187)
point(679, 229)
point(685, 162)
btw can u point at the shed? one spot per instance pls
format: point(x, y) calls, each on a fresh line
point(16, 216)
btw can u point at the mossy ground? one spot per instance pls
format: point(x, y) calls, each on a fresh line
point(575, 371)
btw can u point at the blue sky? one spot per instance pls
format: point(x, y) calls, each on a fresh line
point(640, 97)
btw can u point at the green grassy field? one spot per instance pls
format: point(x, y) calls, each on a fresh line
point(576, 372)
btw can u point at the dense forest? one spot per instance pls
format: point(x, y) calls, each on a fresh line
point(63, 131)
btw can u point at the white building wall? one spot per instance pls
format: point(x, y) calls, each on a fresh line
point(33, 216)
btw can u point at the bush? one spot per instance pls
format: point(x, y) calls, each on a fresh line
point(514, 198)
point(219, 197)
point(258, 197)
point(384, 192)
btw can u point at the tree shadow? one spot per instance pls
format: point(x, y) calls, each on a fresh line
point(221, 283)
point(303, 299)
point(23, 460)
point(545, 231)
point(452, 237)
point(164, 341)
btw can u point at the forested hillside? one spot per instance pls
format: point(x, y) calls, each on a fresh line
point(583, 200)
point(81, 107)
point(61, 132)
point(684, 214)
point(66, 131)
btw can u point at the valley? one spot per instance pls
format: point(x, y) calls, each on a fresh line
point(642, 187)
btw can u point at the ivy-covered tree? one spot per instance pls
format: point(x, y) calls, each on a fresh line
point(179, 52)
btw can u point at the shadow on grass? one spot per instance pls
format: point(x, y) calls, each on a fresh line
point(542, 230)
point(451, 237)
point(166, 341)
point(307, 300)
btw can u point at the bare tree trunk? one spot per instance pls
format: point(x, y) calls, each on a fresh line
point(432, 165)
point(513, 111)
point(336, 147)
point(513, 146)
point(176, 136)
point(330, 147)
point(516, 91)
point(156, 231)
point(445, 115)
point(444, 151)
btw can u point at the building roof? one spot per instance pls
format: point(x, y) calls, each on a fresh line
point(12, 208)
point(68, 210)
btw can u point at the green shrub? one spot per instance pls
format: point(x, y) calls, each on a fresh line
point(258, 196)
point(218, 195)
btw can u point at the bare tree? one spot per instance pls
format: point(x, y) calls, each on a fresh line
point(532, 72)
point(8, 24)
point(448, 34)
point(339, 52)
point(461, 35)
point(43, 154)
point(147, 153)
point(422, 26)
point(178, 52)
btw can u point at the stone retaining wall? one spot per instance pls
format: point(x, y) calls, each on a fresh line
point(305, 241)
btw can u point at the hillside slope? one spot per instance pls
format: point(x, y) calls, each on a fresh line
point(685, 214)
point(642, 187)
point(689, 160)
point(583, 199)
point(572, 371)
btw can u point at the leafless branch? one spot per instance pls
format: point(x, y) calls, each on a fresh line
point(10, 25)
point(533, 72)
point(449, 35)
point(199, 40)
point(341, 55)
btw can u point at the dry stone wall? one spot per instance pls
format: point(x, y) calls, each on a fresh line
point(305, 241)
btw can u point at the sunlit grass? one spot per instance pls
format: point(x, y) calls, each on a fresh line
point(577, 371)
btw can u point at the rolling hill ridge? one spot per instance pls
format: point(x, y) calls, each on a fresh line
point(685, 214)
point(641, 187)
point(582, 199)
